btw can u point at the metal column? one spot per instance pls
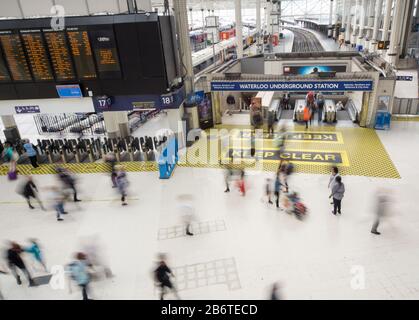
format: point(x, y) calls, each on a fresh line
point(394, 49)
point(348, 23)
point(258, 23)
point(181, 16)
point(239, 28)
point(354, 22)
point(363, 14)
point(386, 23)
point(377, 15)
point(329, 32)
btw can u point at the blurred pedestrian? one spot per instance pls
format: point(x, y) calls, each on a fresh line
point(29, 190)
point(111, 160)
point(228, 174)
point(338, 191)
point(274, 292)
point(1, 295)
point(241, 183)
point(380, 211)
point(79, 272)
point(277, 189)
point(307, 115)
point(10, 155)
point(271, 122)
point(68, 181)
point(15, 262)
point(122, 183)
point(320, 106)
point(35, 251)
point(187, 211)
point(31, 153)
point(58, 197)
point(268, 190)
point(95, 257)
point(162, 276)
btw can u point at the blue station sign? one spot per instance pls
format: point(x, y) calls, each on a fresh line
point(27, 109)
point(330, 86)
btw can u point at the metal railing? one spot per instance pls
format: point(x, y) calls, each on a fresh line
point(406, 106)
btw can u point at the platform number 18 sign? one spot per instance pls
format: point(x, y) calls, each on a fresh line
point(167, 100)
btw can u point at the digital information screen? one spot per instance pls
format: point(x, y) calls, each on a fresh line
point(15, 56)
point(37, 55)
point(82, 54)
point(60, 55)
point(69, 91)
point(4, 74)
point(104, 47)
point(304, 70)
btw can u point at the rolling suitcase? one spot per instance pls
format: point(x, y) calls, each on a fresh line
point(12, 175)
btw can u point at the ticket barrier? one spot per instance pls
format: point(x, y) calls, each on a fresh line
point(329, 111)
point(299, 110)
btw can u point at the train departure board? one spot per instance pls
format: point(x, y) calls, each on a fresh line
point(37, 55)
point(4, 74)
point(82, 54)
point(60, 55)
point(104, 47)
point(15, 56)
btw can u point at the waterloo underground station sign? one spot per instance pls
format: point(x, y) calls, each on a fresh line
point(318, 85)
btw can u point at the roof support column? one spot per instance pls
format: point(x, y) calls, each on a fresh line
point(386, 23)
point(329, 32)
point(394, 49)
point(181, 16)
point(239, 28)
point(363, 14)
point(374, 37)
point(348, 22)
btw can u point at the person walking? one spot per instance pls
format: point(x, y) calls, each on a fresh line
point(111, 160)
point(381, 211)
point(307, 115)
point(15, 262)
point(58, 197)
point(1, 295)
point(333, 175)
point(80, 274)
point(10, 155)
point(31, 153)
point(268, 190)
point(320, 106)
point(274, 292)
point(162, 276)
point(338, 191)
point(277, 189)
point(271, 122)
point(122, 183)
point(35, 251)
point(29, 190)
point(186, 210)
point(68, 181)
point(228, 174)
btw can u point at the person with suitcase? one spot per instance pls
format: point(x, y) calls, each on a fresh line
point(10, 155)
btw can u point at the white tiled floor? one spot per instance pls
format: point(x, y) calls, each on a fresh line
point(312, 259)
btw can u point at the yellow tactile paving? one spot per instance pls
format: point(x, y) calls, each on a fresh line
point(26, 169)
point(360, 150)
point(405, 118)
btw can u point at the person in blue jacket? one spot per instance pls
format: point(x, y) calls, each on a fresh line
point(35, 251)
point(31, 153)
point(79, 273)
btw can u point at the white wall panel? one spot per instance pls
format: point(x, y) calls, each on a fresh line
point(32, 8)
point(73, 7)
point(9, 8)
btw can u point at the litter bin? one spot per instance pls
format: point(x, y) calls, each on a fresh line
point(382, 120)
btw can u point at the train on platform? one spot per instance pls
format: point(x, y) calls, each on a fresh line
point(224, 51)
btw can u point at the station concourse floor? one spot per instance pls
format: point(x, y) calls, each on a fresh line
point(241, 244)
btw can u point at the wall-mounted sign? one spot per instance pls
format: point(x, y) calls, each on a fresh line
point(404, 78)
point(27, 109)
point(143, 106)
point(383, 45)
point(247, 86)
point(104, 102)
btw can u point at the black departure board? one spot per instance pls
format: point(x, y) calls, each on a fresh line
point(60, 55)
point(106, 54)
point(4, 74)
point(15, 57)
point(82, 54)
point(37, 55)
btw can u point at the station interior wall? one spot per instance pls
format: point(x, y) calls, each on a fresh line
point(64, 105)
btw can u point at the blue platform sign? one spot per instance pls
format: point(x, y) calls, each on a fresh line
point(27, 109)
point(330, 86)
point(69, 91)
